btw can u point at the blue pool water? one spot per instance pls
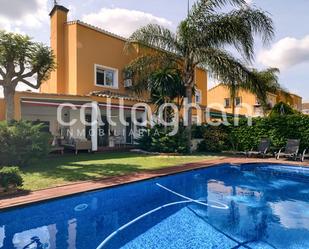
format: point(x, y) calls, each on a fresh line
point(229, 206)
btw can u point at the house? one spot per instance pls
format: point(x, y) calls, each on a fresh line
point(90, 63)
point(247, 103)
point(305, 108)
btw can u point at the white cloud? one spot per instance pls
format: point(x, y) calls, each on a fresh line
point(123, 21)
point(249, 2)
point(17, 14)
point(286, 53)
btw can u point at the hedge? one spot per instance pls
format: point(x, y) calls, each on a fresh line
point(244, 137)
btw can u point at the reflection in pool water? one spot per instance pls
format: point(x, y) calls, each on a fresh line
point(247, 206)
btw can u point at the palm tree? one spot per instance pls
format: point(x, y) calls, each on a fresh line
point(260, 83)
point(201, 40)
point(166, 86)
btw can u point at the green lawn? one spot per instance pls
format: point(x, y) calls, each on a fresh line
point(66, 169)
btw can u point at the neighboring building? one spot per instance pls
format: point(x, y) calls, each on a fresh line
point(247, 103)
point(291, 99)
point(305, 108)
point(90, 62)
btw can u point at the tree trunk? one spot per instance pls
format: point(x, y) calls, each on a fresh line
point(233, 97)
point(189, 127)
point(233, 105)
point(9, 103)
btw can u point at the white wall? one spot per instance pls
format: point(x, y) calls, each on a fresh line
point(38, 113)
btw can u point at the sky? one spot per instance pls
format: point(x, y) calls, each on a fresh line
point(289, 51)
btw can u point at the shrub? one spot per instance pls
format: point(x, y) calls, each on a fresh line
point(10, 176)
point(277, 128)
point(22, 142)
point(244, 137)
point(216, 139)
point(198, 131)
point(282, 109)
point(157, 139)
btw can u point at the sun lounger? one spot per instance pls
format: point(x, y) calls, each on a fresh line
point(290, 150)
point(304, 155)
point(262, 148)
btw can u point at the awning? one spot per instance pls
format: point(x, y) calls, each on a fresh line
point(77, 104)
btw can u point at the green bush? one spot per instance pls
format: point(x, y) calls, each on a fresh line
point(244, 137)
point(277, 128)
point(22, 142)
point(282, 109)
point(157, 139)
point(198, 131)
point(10, 176)
point(216, 139)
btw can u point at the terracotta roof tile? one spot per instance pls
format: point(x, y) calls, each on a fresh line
point(115, 95)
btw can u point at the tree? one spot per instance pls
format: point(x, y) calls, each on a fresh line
point(20, 60)
point(260, 83)
point(166, 86)
point(201, 40)
point(282, 109)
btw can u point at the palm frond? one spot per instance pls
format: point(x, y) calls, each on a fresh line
point(260, 83)
point(223, 65)
point(236, 28)
point(155, 36)
point(208, 6)
point(235, 75)
point(145, 65)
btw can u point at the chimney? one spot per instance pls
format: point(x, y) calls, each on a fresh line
point(58, 20)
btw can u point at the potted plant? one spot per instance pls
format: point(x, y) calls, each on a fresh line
point(10, 179)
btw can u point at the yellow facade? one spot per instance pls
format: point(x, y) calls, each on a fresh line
point(85, 46)
point(79, 48)
point(249, 104)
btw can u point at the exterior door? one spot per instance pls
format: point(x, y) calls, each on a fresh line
point(103, 131)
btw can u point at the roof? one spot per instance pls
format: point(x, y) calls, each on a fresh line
point(282, 91)
point(115, 95)
point(98, 29)
point(58, 7)
point(103, 31)
point(214, 87)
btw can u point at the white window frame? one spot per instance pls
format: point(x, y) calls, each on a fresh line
point(115, 70)
point(198, 92)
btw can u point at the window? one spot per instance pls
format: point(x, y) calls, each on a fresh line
point(227, 103)
point(106, 77)
point(237, 101)
point(198, 96)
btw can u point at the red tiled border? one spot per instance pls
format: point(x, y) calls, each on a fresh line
point(71, 189)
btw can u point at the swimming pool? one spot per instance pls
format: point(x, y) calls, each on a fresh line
point(228, 206)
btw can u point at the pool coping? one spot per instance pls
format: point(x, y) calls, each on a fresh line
point(23, 199)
